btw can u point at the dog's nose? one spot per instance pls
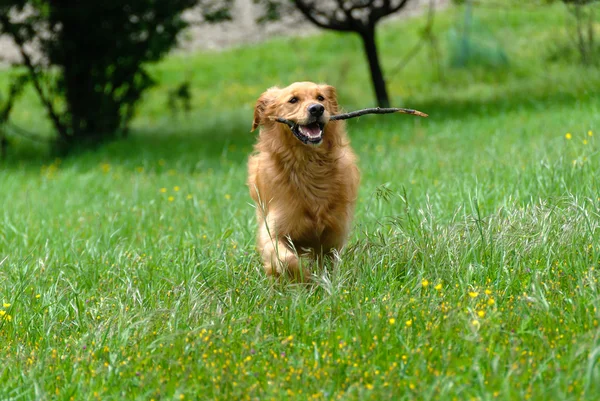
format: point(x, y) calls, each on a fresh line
point(316, 110)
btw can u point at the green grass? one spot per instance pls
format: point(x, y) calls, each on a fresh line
point(471, 273)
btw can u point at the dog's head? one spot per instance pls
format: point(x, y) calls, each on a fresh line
point(307, 105)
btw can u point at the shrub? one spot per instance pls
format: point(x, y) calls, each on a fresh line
point(88, 63)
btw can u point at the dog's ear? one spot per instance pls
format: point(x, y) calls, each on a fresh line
point(262, 103)
point(331, 96)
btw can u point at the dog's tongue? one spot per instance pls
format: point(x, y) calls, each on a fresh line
point(311, 130)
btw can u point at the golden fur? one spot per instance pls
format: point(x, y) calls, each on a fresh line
point(304, 194)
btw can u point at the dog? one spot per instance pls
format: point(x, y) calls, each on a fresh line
point(303, 179)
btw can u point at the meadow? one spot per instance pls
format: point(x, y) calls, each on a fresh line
point(129, 272)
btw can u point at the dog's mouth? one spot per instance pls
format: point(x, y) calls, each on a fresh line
point(309, 134)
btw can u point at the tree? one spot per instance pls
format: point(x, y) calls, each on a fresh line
point(89, 65)
point(359, 16)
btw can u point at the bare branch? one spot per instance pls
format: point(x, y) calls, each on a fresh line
point(20, 42)
point(358, 113)
point(359, 16)
point(348, 13)
point(377, 110)
point(331, 22)
point(282, 120)
point(361, 5)
point(384, 10)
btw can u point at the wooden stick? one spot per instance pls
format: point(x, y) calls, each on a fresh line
point(358, 113)
point(376, 110)
point(284, 121)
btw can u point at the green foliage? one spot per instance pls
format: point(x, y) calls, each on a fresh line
point(580, 43)
point(564, 50)
point(98, 51)
point(17, 84)
point(585, 33)
point(16, 87)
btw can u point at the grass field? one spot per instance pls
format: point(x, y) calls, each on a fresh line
point(471, 273)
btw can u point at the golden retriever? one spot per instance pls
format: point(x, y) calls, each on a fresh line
point(304, 179)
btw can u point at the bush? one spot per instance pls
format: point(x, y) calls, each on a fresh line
point(96, 52)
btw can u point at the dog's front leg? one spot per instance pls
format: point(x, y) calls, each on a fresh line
point(278, 257)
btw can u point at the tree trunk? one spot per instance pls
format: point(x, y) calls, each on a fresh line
point(368, 38)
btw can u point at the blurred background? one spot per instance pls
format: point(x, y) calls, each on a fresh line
point(74, 76)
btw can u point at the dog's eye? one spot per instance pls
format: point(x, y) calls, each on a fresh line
point(320, 98)
point(293, 100)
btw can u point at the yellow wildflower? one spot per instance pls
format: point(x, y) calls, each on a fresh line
point(409, 323)
point(5, 315)
point(568, 135)
point(392, 321)
point(424, 283)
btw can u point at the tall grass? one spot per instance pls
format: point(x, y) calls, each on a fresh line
point(471, 273)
